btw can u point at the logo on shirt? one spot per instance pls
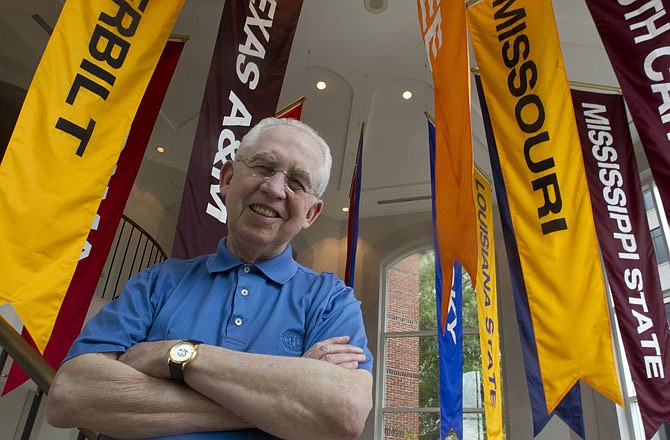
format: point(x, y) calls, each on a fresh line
point(292, 341)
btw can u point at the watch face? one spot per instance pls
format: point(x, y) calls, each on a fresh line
point(181, 352)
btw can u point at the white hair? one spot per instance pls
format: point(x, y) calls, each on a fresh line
point(250, 140)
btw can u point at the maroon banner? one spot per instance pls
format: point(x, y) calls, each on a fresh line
point(243, 86)
point(627, 249)
point(636, 35)
point(87, 273)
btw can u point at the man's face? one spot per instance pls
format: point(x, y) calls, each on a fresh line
point(264, 215)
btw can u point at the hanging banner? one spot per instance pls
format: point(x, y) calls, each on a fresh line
point(627, 249)
point(66, 143)
point(569, 408)
point(443, 29)
point(521, 66)
point(487, 309)
point(87, 274)
point(450, 348)
point(245, 78)
point(354, 202)
point(450, 338)
point(636, 36)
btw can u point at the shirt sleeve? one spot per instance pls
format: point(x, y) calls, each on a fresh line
point(121, 323)
point(339, 314)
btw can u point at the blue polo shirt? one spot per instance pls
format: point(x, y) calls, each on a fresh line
point(275, 307)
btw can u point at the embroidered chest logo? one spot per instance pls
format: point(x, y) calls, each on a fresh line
point(292, 341)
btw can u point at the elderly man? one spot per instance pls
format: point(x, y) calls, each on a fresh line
point(241, 344)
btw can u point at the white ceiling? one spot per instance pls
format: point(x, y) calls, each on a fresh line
point(367, 59)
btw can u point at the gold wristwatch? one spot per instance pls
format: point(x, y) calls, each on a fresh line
point(179, 355)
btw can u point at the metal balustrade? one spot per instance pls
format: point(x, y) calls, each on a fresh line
point(133, 249)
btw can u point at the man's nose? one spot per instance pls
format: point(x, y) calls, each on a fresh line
point(276, 183)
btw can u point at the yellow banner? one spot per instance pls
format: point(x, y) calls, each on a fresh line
point(487, 308)
point(521, 66)
point(71, 129)
point(444, 33)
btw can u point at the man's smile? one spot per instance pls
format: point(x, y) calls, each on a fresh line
point(265, 212)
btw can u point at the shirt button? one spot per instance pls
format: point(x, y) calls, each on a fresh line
point(247, 269)
point(244, 292)
point(238, 321)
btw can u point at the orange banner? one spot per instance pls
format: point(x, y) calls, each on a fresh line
point(444, 33)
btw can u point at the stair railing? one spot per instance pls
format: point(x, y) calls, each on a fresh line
point(39, 370)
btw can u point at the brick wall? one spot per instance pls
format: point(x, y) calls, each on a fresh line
point(402, 354)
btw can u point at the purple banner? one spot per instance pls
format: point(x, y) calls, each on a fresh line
point(627, 249)
point(636, 35)
point(243, 87)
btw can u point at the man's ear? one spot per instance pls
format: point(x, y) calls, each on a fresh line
point(225, 178)
point(313, 213)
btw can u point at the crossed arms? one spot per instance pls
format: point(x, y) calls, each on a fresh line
point(320, 395)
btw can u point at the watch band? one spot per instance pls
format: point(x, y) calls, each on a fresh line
point(176, 371)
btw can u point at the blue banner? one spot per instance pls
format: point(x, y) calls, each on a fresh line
point(450, 338)
point(450, 343)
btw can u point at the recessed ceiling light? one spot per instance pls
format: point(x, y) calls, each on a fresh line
point(407, 94)
point(345, 209)
point(376, 6)
point(160, 149)
point(321, 85)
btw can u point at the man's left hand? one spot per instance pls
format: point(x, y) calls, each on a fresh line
point(337, 351)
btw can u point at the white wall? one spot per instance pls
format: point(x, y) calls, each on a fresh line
point(157, 215)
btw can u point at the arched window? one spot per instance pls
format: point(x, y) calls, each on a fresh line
point(409, 373)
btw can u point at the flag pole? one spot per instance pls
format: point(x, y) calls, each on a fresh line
point(180, 37)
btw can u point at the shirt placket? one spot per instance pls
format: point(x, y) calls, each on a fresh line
point(240, 322)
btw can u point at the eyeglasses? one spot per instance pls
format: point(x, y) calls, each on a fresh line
point(264, 170)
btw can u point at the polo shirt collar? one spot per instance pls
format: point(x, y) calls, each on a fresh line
point(279, 269)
